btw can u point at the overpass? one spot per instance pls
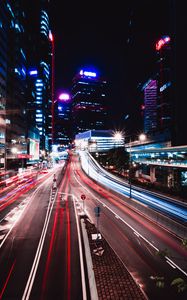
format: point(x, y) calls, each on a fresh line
point(158, 162)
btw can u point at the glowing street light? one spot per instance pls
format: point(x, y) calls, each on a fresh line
point(14, 150)
point(118, 136)
point(142, 137)
point(119, 139)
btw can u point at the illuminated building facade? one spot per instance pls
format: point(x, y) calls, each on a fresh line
point(13, 62)
point(98, 141)
point(171, 62)
point(164, 103)
point(89, 107)
point(25, 66)
point(3, 75)
point(150, 106)
point(179, 59)
point(39, 71)
point(62, 134)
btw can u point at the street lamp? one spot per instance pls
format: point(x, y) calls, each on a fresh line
point(118, 138)
point(142, 137)
point(14, 150)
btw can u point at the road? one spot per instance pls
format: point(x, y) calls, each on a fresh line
point(138, 241)
point(168, 206)
point(40, 250)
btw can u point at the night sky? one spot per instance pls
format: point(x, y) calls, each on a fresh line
point(117, 39)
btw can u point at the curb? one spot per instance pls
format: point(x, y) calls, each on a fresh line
point(91, 275)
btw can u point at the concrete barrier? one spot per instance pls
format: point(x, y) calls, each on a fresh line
point(91, 275)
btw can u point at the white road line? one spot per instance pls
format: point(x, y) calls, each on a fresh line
point(31, 278)
point(137, 234)
point(134, 230)
point(171, 264)
point(28, 202)
point(81, 255)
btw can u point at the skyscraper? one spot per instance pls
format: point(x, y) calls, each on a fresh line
point(13, 62)
point(164, 100)
point(4, 25)
point(179, 67)
point(161, 24)
point(25, 75)
point(150, 106)
point(89, 102)
point(63, 132)
point(39, 65)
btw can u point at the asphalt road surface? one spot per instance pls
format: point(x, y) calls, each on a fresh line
point(40, 256)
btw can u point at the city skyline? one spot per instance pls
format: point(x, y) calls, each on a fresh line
point(106, 38)
point(92, 206)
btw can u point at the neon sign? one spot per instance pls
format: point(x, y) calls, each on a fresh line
point(88, 73)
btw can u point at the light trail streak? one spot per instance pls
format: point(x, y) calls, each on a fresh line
point(28, 202)
point(68, 239)
point(32, 275)
point(162, 205)
point(7, 280)
point(81, 254)
point(127, 224)
point(49, 257)
point(51, 246)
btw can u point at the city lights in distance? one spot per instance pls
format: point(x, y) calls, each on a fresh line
point(163, 41)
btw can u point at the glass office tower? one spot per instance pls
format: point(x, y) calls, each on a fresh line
point(13, 63)
point(39, 69)
point(89, 104)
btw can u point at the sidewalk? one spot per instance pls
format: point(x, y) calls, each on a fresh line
point(113, 281)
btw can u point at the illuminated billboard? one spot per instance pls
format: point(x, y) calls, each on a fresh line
point(34, 149)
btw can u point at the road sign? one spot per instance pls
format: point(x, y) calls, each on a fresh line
point(83, 197)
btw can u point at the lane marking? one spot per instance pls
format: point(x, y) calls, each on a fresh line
point(81, 254)
point(131, 227)
point(6, 282)
point(27, 204)
point(32, 274)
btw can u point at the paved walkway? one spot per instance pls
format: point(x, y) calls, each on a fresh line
point(113, 281)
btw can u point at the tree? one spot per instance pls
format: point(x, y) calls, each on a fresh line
point(180, 284)
point(184, 243)
point(119, 158)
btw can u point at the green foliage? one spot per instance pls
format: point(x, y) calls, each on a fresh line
point(180, 284)
point(119, 158)
point(163, 253)
point(184, 243)
point(159, 281)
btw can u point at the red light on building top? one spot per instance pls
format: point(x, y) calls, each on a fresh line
point(163, 41)
point(51, 36)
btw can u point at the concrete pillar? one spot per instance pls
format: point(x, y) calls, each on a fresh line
point(152, 174)
point(170, 178)
point(138, 173)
